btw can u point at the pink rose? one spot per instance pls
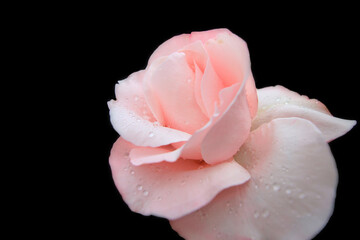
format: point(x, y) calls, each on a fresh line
point(197, 147)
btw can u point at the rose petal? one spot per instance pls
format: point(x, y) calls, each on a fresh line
point(290, 194)
point(279, 102)
point(145, 155)
point(206, 142)
point(230, 130)
point(133, 120)
point(251, 96)
point(170, 190)
point(211, 85)
point(176, 43)
point(172, 84)
point(229, 55)
point(230, 58)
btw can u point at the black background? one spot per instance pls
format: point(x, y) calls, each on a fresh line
point(87, 50)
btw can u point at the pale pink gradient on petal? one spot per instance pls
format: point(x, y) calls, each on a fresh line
point(227, 129)
point(170, 190)
point(211, 86)
point(172, 84)
point(279, 102)
point(230, 57)
point(132, 118)
point(176, 43)
point(146, 155)
point(251, 95)
point(290, 194)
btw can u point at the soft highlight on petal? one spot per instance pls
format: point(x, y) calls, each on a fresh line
point(132, 118)
point(171, 82)
point(170, 190)
point(279, 102)
point(232, 128)
point(177, 42)
point(290, 194)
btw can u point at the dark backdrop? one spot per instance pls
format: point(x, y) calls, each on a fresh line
point(311, 53)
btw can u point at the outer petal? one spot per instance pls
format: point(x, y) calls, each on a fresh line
point(290, 194)
point(279, 102)
point(132, 118)
point(146, 155)
point(170, 190)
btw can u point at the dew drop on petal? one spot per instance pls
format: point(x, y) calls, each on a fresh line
point(151, 134)
point(145, 193)
point(256, 214)
point(302, 195)
point(265, 214)
point(139, 187)
point(276, 187)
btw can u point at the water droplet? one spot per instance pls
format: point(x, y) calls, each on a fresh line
point(186, 122)
point(145, 193)
point(159, 198)
point(256, 214)
point(125, 169)
point(240, 204)
point(201, 167)
point(265, 214)
point(288, 191)
point(189, 80)
point(139, 187)
point(132, 172)
point(151, 134)
point(136, 98)
point(156, 124)
point(276, 187)
point(183, 182)
point(277, 99)
point(228, 204)
point(302, 195)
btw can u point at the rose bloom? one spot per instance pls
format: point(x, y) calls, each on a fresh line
point(201, 146)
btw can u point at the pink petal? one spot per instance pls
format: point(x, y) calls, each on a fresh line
point(170, 190)
point(132, 118)
point(279, 102)
point(148, 155)
point(222, 136)
point(171, 83)
point(211, 85)
point(290, 194)
point(229, 56)
point(176, 43)
point(251, 96)
point(231, 129)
